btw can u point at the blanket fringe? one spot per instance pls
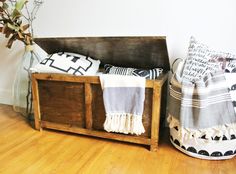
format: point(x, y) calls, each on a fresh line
point(220, 131)
point(124, 123)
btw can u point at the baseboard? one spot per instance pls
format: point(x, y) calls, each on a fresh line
point(5, 97)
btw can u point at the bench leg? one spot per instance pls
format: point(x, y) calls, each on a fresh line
point(154, 146)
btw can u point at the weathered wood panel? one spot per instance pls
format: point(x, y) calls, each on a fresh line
point(139, 52)
point(99, 115)
point(62, 102)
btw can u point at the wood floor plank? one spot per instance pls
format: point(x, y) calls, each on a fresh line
point(23, 150)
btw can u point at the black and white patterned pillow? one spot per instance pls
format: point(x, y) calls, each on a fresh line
point(147, 73)
point(68, 63)
point(230, 65)
point(231, 83)
point(202, 60)
point(199, 61)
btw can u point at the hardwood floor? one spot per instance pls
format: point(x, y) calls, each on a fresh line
point(24, 150)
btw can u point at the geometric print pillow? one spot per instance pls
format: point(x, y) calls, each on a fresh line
point(67, 63)
point(147, 73)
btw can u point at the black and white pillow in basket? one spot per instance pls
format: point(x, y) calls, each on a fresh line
point(67, 63)
point(147, 73)
point(230, 76)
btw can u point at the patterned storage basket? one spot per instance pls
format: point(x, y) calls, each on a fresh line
point(201, 148)
point(201, 118)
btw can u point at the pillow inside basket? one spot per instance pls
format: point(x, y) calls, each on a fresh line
point(202, 60)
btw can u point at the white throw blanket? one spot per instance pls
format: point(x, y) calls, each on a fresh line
point(124, 101)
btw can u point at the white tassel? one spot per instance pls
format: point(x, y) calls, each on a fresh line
point(187, 133)
point(124, 123)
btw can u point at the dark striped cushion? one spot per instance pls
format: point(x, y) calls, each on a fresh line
point(147, 73)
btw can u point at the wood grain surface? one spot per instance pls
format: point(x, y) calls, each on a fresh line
point(23, 150)
point(140, 52)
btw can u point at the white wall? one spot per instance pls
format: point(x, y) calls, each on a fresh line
point(211, 21)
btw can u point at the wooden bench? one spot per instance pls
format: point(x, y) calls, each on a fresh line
point(75, 103)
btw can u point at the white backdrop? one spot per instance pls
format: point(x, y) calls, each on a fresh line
point(210, 21)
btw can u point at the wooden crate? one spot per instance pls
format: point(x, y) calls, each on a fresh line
point(75, 103)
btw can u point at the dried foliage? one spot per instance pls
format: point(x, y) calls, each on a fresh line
point(16, 25)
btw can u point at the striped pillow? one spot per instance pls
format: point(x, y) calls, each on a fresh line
point(147, 73)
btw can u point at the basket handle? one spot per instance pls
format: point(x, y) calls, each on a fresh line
point(174, 62)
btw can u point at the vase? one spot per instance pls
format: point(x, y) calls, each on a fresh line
point(22, 93)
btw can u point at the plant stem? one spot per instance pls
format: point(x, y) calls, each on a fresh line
point(29, 98)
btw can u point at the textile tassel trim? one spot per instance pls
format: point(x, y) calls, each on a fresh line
point(186, 133)
point(124, 123)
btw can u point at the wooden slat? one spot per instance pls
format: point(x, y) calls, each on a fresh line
point(82, 131)
point(36, 103)
point(156, 102)
point(66, 78)
point(88, 105)
point(161, 79)
point(90, 79)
